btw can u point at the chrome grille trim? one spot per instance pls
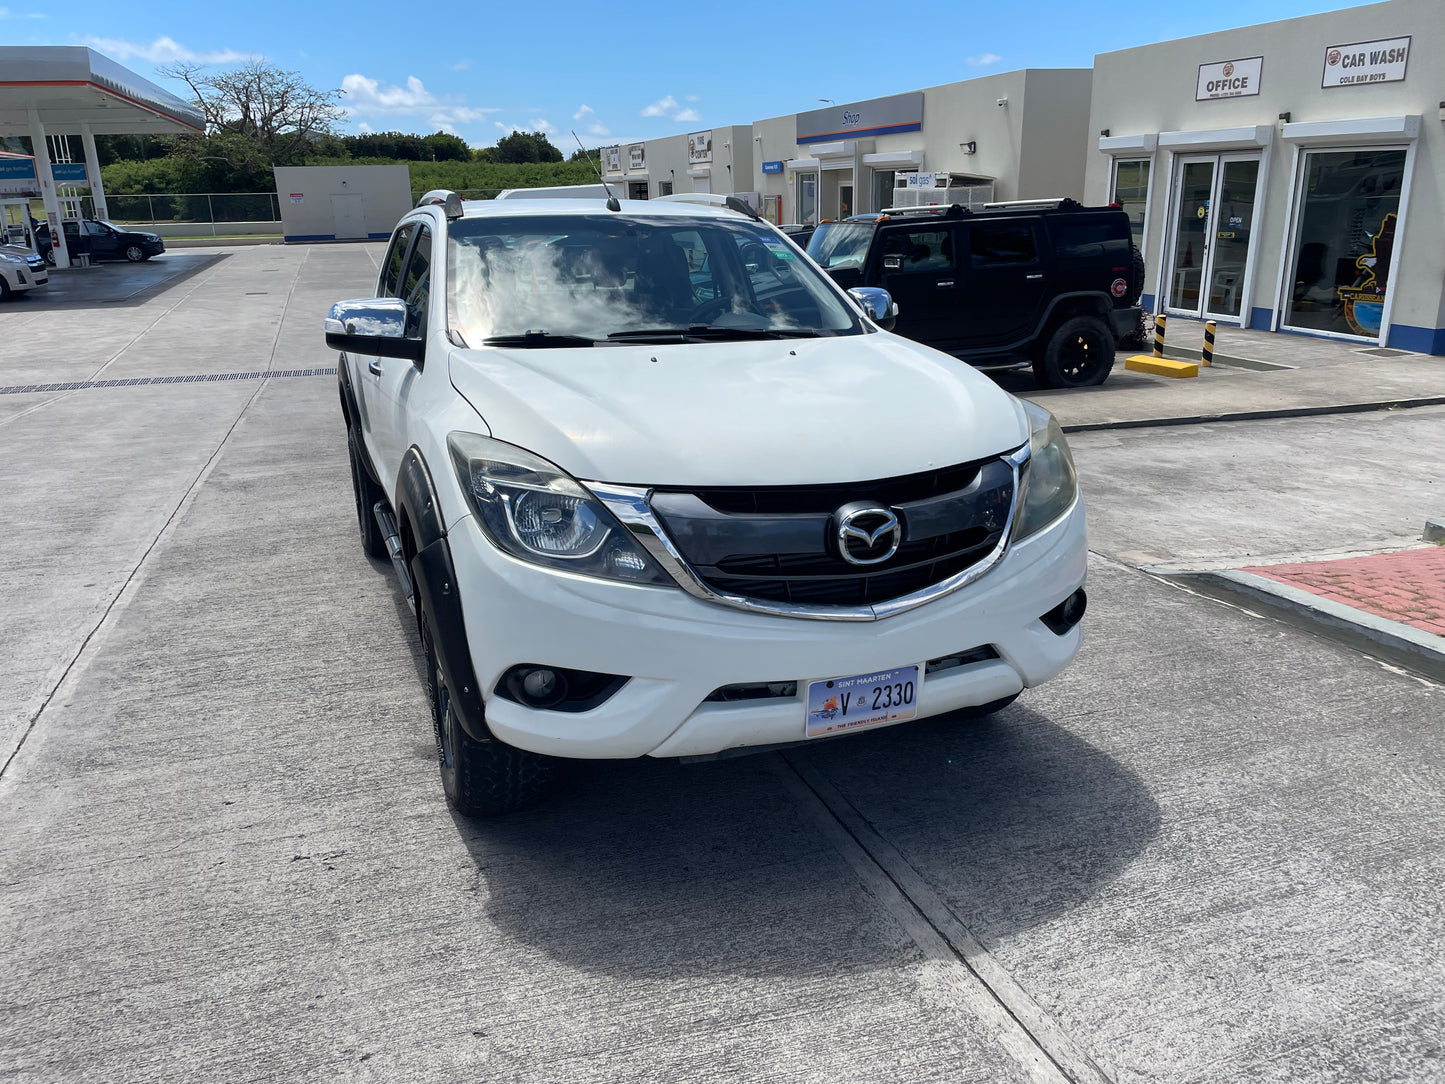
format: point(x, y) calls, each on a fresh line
point(630, 504)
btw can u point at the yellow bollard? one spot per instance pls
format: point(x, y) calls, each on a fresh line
point(1159, 335)
point(1207, 358)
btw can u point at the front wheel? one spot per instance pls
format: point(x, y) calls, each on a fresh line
point(481, 778)
point(134, 253)
point(1079, 354)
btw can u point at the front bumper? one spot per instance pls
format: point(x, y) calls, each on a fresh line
point(676, 649)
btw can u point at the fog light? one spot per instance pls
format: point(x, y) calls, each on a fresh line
point(1066, 614)
point(537, 686)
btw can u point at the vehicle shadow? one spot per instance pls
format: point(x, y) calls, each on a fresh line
point(660, 868)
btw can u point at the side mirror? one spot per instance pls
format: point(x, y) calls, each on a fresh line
point(374, 326)
point(877, 303)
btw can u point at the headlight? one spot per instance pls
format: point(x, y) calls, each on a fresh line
point(1049, 483)
point(534, 511)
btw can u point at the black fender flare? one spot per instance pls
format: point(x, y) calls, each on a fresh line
point(439, 599)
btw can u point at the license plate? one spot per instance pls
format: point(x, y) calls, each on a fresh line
point(838, 704)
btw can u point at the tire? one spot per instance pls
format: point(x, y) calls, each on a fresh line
point(481, 778)
point(1079, 354)
point(134, 253)
point(4, 289)
point(367, 493)
point(983, 711)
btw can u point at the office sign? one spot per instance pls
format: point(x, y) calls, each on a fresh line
point(1229, 79)
point(699, 148)
point(1366, 62)
point(773, 167)
point(636, 156)
point(18, 177)
point(612, 159)
point(875, 117)
point(69, 173)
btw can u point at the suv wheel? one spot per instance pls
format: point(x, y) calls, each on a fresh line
point(1079, 354)
point(134, 253)
point(4, 289)
point(367, 493)
point(480, 778)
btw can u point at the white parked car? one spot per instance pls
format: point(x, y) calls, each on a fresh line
point(20, 270)
point(656, 486)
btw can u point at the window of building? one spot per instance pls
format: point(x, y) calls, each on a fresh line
point(637, 190)
point(883, 189)
point(1340, 267)
point(664, 188)
point(1131, 192)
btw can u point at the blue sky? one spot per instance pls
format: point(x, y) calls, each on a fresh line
point(616, 73)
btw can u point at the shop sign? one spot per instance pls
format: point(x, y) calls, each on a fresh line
point(1229, 79)
point(773, 167)
point(69, 173)
point(875, 117)
point(699, 147)
point(1366, 62)
point(17, 177)
point(920, 180)
point(636, 156)
point(612, 159)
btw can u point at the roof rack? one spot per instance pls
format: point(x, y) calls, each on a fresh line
point(1062, 203)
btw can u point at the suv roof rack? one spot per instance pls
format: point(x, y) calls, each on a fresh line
point(1061, 203)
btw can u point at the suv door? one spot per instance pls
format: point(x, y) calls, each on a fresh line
point(1006, 281)
point(914, 261)
point(104, 242)
point(405, 274)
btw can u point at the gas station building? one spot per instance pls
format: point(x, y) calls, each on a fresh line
point(52, 93)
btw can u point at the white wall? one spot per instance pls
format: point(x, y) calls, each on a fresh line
point(385, 193)
point(1151, 89)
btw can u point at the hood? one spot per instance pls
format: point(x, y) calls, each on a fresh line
point(787, 412)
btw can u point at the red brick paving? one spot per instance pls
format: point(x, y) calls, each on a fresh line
point(1407, 586)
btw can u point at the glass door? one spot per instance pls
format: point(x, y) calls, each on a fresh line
point(807, 199)
point(1213, 223)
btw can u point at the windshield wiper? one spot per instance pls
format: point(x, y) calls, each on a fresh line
point(536, 339)
point(696, 333)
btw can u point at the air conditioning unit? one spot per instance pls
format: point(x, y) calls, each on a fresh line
point(920, 189)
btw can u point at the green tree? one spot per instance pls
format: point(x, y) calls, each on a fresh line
point(257, 115)
point(526, 147)
point(445, 147)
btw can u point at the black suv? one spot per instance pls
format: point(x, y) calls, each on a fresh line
point(104, 241)
point(1055, 286)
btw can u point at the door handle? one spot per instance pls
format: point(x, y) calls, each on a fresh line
point(1033, 276)
point(946, 284)
point(374, 367)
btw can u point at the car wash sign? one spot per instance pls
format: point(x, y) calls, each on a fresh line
point(1366, 62)
point(1229, 79)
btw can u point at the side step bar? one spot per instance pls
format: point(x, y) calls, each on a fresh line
point(389, 531)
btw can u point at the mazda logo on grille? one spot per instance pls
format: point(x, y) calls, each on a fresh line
point(867, 535)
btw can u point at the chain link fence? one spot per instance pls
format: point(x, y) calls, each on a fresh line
point(193, 207)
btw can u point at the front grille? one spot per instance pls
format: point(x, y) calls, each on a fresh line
point(778, 544)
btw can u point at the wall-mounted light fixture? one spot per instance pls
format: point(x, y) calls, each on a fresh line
point(1103, 133)
point(1284, 118)
point(971, 147)
point(1000, 102)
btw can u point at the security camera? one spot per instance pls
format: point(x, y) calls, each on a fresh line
point(1001, 102)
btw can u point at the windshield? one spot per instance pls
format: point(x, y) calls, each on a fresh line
point(837, 245)
point(567, 280)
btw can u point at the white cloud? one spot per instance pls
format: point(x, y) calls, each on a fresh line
point(371, 97)
point(661, 107)
point(165, 51)
point(688, 115)
point(983, 60)
point(584, 111)
point(364, 128)
point(541, 124)
point(599, 130)
point(461, 65)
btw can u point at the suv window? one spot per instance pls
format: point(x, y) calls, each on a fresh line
point(416, 285)
point(994, 243)
point(391, 267)
point(836, 245)
point(923, 249)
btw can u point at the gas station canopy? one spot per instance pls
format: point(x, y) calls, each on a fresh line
point(71, 86)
